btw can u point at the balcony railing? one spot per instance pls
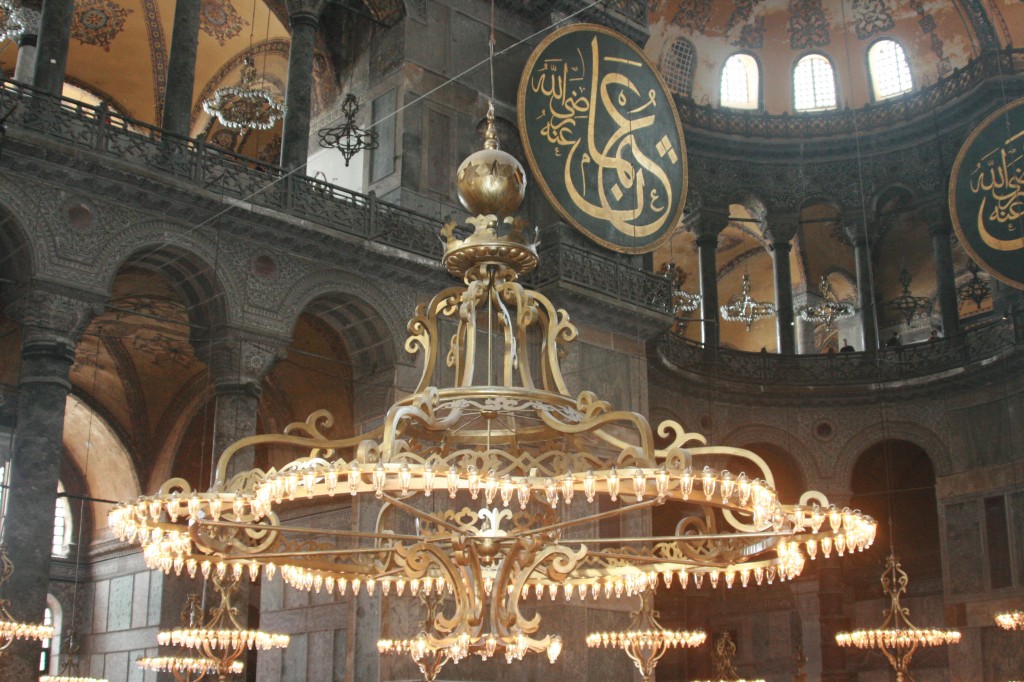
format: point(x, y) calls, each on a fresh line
point(224, 173)
point(931, 359)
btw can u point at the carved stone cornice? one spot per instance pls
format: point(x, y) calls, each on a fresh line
point(52, 315)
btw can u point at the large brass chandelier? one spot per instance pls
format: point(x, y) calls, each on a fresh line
point(897, 637)
point(475, 472)
point(1010, 620)
point(829, 309)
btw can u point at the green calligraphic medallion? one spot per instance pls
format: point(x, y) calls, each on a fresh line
point(603, 138)
point(986, 194)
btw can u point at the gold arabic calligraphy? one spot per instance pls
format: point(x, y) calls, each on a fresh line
point(999, 179)
point(608, 174)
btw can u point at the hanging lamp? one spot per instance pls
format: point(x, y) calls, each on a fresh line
point(829, 309)
point(646, 641)
point(10, 629)
point(246, 106)
point(743, 308)
point(906, 304)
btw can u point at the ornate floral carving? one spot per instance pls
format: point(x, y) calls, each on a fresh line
point(808, 25)
point(871, 17)
point(219, 19)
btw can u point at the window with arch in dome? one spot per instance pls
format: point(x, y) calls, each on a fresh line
point(890, 72)
point(814, 84)
point(740, 82)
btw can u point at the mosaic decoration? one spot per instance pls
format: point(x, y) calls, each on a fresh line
point(751, 33)
point(218, 18)
point(871, 17)
point(158, 53)
point(225, 139)
point(928, 25)
point(271, 152)
point(693, 14)
point(808, 25)
point(98, 22)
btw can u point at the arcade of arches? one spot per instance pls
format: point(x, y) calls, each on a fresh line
point(168, 287)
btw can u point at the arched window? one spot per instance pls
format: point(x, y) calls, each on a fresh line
point(61, 524)
point(50, 648)
point(677, 66)
point(740, 82)
point(814, 84)
point(890, 73)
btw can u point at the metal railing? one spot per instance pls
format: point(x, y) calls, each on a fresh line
point(920, 360)
point(207, 167)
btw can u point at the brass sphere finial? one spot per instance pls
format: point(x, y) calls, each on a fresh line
point(491, 181)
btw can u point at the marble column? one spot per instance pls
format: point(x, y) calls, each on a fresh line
point(857, 232)
point(52, 48)
point(51, 322)
point(940, 228)
point(25, 67)
point(304, 16)
point(832, 618)
point(181, 68)
point(238, 362)
point(780, 234)
point(710, 224)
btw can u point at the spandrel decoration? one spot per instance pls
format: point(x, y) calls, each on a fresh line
point(986, 194)
point(603, 138)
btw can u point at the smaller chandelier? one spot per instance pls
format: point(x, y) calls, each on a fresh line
point(246, 106)
point(721, 660)
point(185, 668)
point(11, 629)
point(348, 138)
point(897, 638)
point(906, 304)
point(68, 672)
point(829, 310)
point(1011, 620)
point(12, 21)
point(682, 301)
point(975, 289)
point(221, 640)
point(743, 308)
point(646, 641)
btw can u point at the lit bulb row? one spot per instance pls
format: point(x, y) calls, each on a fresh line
point(65, 678)
point(485, 647)
point(646, 639)
point(182, 664)
point(13, 630)
point(192, 638)
point(893, 639)
point(845, 520)
point(1011, 620)
point(313, 480)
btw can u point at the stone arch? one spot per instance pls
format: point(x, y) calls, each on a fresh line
point(783, 440)
point(372, 325)
point(876, 432)
point(210, 286)
point(17, 262)
point(24, 207)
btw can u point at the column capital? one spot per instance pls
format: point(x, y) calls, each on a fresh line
point(305, 11)
point(239, 360)
point(780, 230)
point(30, 18)
point(856, 228)
point(709, 224)
point(51, 315)
point(936, 215)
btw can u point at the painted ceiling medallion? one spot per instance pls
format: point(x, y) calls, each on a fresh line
point(218, 18)
point(98, 22)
